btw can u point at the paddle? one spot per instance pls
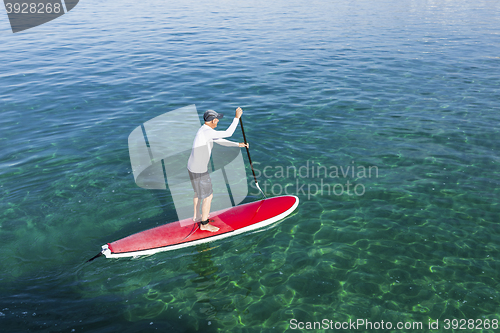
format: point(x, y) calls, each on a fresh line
point(97, 256)
point(248, 153)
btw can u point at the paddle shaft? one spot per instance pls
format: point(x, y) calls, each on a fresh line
point(250, 159)
point(248, 151)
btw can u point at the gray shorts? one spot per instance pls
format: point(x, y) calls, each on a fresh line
point(202, 184)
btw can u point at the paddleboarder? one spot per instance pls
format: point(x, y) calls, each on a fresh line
point(199, 159)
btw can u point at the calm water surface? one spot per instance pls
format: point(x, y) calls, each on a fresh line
point(407, 91)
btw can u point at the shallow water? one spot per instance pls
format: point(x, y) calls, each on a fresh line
point(405, 91)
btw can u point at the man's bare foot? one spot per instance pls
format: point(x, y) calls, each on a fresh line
point(197, 219)
point(208, 227)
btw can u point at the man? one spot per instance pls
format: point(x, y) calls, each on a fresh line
point(199, 159)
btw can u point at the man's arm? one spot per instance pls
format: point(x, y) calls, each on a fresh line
point(226, 143)
point(227, 133)
point(230, 130)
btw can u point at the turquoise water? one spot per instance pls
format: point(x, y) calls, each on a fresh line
point(406, 90)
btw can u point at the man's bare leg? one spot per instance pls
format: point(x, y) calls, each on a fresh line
point(196, 204)
point(205, 210)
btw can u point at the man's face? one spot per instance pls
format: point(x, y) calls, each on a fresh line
point(215, 121)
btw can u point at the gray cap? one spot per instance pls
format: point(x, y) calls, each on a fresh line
point(211, 115)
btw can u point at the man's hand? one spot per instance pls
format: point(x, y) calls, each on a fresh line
point(239, 112)
point(242, 144)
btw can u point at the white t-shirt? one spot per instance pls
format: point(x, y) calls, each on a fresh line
point(203, 143)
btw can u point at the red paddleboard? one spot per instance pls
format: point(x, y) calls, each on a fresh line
point(176, 235)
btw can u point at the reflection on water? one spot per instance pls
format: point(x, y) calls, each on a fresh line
point(205, 283)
